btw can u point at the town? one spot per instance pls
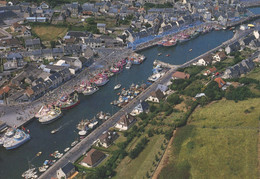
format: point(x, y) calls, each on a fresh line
point(55, 55)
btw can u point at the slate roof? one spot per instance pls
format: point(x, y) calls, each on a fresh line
point(68, 168)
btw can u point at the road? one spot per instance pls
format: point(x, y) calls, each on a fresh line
point(87, 142)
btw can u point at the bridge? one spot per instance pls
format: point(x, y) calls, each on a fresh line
point(83, 146)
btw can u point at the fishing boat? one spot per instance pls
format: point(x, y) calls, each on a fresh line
point(67, 149)
point(43, 111)
point(82, 133)
point(51, 116)
point(89, 90)
point(43, 168)
point(74, 143)
point(38, 154)
point(117, 86)
point(68, 102)
point(29, 173)
point(190, 50)
point(17, 140)
point(103, 116)
point(54, 131)
point(128, 65)
point(116, 69)
point(159, 54)
point(167, 55)
point(154, 77)
point(101, 80)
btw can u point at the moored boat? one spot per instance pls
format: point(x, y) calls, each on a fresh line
point(101, 80)
point(51, 116)
point(68, 102)
point(17, 140)
point(89, 90)
point(128, 65)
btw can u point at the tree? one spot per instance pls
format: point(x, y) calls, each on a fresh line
point(153, 108)
point(53, 44)
point(174, 99)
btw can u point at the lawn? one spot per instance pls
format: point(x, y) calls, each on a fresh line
point(49, 33)
point(219, 142)
point(138, 167)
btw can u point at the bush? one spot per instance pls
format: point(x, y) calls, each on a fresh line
point(138, 148)
point(239, 93)
point(179, 84)
point(213, 92)
point(174, 99)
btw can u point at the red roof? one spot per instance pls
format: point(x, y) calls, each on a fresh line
point(93, 156)
point(5, 89)
point(220, 82)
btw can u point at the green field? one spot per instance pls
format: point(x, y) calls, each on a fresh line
point(49, 33)
point(220, 142)
point(138, 167)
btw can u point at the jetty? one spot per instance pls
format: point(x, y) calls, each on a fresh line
point(83, 146)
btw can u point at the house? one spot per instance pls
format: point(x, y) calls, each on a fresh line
point(101, 27)
point(25, 32)
point(66, 171)
point(143, 106)
point(10, 65)
point(56, 79)
point(16, 27)
point(125, 122)
point(33, 44)
point(73, 49)
point(4, 90)
point(107, 138)
point(162, 88)
point(241, 68)
point(246, 41)
point(180, 75)
point(232, 48)
point(220, 82)
point(74, 9)
point(93, 158)
point(65, 74)
point(210, 71)
point(219, 56)
point(155, 96)
point(94, 43)
point(73, 61)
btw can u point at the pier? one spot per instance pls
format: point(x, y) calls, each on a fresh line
point(83, 146)
point(165, 65)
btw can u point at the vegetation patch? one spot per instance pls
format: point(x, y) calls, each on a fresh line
point(49, 33)
point(222, 136)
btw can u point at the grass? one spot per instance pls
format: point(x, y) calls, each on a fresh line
point(49, 33)
point(138, 167)
point(254, 74)
point(220, 142)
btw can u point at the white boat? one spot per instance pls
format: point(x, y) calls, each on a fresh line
point(42, 112)
point(92, 124)
point(154, 77)
point(128, 65)
point(67, 149)
point(28, 173)
point(82, 133)
point(117, 86)
point(18, 139)
point(51, 116)
point(43, 168)
point(74, 143)
point(54, 131)
point(89, 90)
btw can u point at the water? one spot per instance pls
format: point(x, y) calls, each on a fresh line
point(14, 162)
point(255, 10)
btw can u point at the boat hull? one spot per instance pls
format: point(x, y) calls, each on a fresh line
point(89, 92)
point(103, 83)
point(51, 120)
point(18, 144)
point(71, 106)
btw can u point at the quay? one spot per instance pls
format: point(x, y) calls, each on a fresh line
point(250, 18)
point(83, 146)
